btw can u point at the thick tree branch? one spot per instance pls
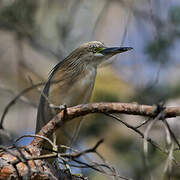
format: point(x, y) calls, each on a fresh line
point(84, 109)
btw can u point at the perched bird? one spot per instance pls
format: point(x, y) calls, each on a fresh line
point(71, 83)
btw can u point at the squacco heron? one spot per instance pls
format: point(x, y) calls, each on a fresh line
point(71, 83)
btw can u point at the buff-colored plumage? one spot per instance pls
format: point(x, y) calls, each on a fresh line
point(71, 83)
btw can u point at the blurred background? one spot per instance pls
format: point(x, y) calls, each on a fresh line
point(37, 34)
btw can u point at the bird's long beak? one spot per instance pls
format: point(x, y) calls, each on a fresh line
point(114, 50)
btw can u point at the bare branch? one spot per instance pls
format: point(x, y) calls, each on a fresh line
point(82, 110)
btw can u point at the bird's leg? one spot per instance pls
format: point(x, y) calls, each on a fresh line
point(68, 168)
point(55, 147)
point(53, 108)
point(55, 150)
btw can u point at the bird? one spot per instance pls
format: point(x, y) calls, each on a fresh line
point(70, 83)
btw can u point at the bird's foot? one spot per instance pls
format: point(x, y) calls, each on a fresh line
point(79, 176)
point(59, 108)
point(68, 169)
point(62, 107)
point(74, 176)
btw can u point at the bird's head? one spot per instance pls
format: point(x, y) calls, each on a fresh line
point(95, 52)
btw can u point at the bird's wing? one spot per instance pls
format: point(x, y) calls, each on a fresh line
point(43, 108)
point(44, 113)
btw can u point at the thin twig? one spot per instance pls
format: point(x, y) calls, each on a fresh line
point(172, 134)
point(168, 164)
point(32, 135)
point(145, 144)
point(13, 101)
point(143, 123)
point(136, 130)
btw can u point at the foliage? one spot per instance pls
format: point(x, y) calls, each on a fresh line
point(18, 16)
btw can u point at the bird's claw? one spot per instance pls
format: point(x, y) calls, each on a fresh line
point(60, 107)
point(76, 176)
